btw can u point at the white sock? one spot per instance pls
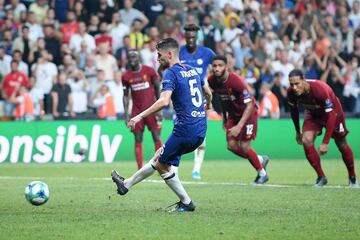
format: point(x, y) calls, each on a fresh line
point(146, 171)
point(198, 159)
point(175, 169)
point(262, 172)
point(173, 181)
point(261, 159)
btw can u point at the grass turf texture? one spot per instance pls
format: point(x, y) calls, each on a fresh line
point(83, 205)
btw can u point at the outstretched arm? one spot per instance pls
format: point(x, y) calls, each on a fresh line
point(162, 102)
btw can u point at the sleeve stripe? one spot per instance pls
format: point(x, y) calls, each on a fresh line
point(247, 100)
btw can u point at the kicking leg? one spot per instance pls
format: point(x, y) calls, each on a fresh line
point(146, 171)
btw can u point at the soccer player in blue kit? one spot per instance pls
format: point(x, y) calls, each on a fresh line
point(182, 85)
point(200, 58)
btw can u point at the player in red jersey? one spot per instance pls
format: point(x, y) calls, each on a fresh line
point(142, 85)
point(239, 115)
point(322, 109)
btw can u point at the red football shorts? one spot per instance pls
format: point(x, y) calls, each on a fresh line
point(150, 122)
point(248, 132)
point(315, 123)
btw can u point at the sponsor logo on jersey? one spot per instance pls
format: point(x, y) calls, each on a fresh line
point(200, 61)
point(198, 113)
point(140, 86)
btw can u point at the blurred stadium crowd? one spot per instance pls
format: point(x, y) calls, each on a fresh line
point(65, 56)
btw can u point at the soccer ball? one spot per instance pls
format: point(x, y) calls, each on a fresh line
point(37, 193)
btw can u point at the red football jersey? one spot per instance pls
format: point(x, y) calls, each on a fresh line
point(141, 84)
point(233, 93)
point(318, 101)
point(11, 81)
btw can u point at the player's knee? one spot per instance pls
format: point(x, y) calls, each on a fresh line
point(307, 140)
point(232, 146)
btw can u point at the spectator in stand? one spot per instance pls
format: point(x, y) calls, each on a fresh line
point(149, 54)
point(129, 14)
point(354, 16)
point(165, 21)
point(62, 100)
point(106, 61)
point(23, 43)
point(231, 34)
point(79, 88)
point(39, 8)
point(12, 82)
point(95, 85)
point(117, 92)
point(137, 38)
point(280, 91)
point(52, 43)
point(82, 35)
point(103, 36)
point(351, 73)
point(321, 41)
point(332, 76)
point(24, 107)
point(104, 11)
point(50, 19)
point(81, 56)
point(93, 27)
point(105, 103)
point(35, 29)
point(69, 65)
point(121, 53)
point(70, 27)
point(345, 36)
point(23, 67)
point(229, 14)
point(5, 60)
point(45, 74)
point(152, 9)
point(282, 65)
point(16, 7)
point(269, 104)
point(313, 66)
point(37, 97)
point(60, 8)
point(212, 35)
point(80, 11)
point(117, 32)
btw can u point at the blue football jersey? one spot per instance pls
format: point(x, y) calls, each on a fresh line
point(200, 59)
point(186, 86)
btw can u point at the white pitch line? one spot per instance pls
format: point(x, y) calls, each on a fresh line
point(184, 182)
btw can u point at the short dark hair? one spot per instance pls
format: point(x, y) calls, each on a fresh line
point(296, 73)
point(220, 57)
point(191, 27)
point(167, 43)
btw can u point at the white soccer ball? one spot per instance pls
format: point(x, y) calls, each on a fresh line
point(37, 193)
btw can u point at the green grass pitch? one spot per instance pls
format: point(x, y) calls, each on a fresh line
point(83, 203)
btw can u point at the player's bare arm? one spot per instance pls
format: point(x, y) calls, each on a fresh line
point(162, 102)
point(330, 126)
point(208, 95)
point(126, 100)
point(234, 131)
point(294, 112)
